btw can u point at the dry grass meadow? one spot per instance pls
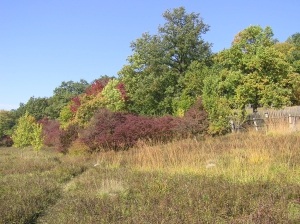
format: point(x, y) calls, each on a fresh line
point(238, 178)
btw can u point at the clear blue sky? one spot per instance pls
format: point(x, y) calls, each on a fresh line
point(43, 42)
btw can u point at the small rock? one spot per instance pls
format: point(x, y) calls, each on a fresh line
point(210, 165)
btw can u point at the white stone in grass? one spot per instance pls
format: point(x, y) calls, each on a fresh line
point(210, 165)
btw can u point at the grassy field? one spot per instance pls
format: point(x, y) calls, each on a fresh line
point(239, 178)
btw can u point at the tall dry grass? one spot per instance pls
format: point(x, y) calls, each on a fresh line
point(239, 178)
point(281, 126)
point(240, 157)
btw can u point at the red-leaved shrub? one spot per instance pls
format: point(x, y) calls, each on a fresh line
point(194, 121)
point(66, 137)
point(121, 88)
point(97, 86)
point(120, 131)
point(76, 102)
point(6, 141)
point(50, 132)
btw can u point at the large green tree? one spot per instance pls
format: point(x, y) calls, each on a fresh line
point(37, 107)
point(62, 96)
point(216, 103)
point(192, 87)
point(294, 39)
point(181, 38)
point(294, 55)
point(256, 73)
point(159, 61)
point(7, 122)
point(251, 71)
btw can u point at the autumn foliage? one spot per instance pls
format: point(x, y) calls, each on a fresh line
point(121, 88)
point(75, 104)
point(194, 121)
point(119, 131)
point(170, 73)
point(97, 86)
point(66, 137)
point(109, 130)
point(6, 141)
point(51, 131)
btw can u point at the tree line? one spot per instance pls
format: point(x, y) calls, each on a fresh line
point(173, 84)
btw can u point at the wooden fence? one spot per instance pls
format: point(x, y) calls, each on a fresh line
point(265, 119)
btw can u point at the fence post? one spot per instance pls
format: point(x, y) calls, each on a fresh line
point(266, 121)
point(290, 119)
point(291, 122)
point(232, 125)
point(255, 124)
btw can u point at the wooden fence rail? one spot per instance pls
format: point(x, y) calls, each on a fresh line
point(264, 119)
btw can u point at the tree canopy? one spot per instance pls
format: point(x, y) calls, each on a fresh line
point(158, 61)
point(170, 73)
point(252, 71)
point(256, 72)
point(28, 133)
point(63, 94)
point(7, 122)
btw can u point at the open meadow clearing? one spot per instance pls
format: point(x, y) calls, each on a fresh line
point(239, 178)
point(177, 127)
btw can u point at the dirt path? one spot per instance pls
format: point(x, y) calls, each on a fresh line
point(42, 217)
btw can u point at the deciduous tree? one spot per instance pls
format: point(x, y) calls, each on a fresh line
point(62, 96)
point(113, 96)
point(158, 61)
point(37, 138)
point(294, 54)
point(28, 133)
point(192, 87)
point(7, 122)
point(37, 107)
point(216, 101)
point(256, 73)
point(22, 136)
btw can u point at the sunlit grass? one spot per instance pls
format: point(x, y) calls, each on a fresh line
point(239, 178)
point(238, 158)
